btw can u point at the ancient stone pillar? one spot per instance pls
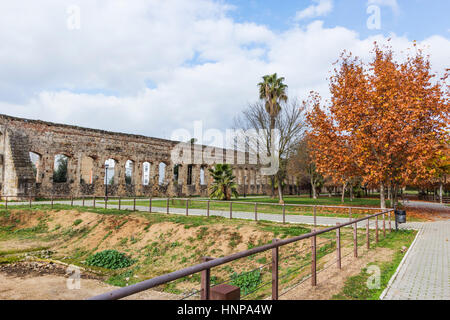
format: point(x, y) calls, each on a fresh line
point(137, 177)
point(196, 178)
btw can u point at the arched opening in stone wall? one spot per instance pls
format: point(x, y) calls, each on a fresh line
point(110, 168)
point(36, 159)
point(87, 170)
point(162, 173)
point(146, 173)
point(61, 168)
point(176, 173)
point(129, 172)
point(202, 176)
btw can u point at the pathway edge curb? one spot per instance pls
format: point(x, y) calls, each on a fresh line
point(394, 276)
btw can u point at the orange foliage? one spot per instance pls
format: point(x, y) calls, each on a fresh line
point(387, 121)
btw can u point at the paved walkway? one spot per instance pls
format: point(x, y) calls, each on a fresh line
point(426, 205)
point(424, 273)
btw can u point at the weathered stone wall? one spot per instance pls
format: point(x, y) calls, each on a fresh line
point(90, 147)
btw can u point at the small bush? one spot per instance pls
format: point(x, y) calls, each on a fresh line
point(109, 259)
point(247, 281)
point(77, 222)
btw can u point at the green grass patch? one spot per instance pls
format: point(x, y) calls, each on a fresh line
point(356, 288)
point(109, 259)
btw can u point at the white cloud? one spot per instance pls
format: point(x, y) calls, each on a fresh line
point(321, 8)
point(388, 3)
point(202, 65)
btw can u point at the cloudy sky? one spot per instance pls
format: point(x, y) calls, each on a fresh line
point(152, 66)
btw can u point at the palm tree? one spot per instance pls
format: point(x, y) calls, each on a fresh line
point(223, 186)
point(273, 91)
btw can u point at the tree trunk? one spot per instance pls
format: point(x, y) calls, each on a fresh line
point(313, 188)
point(351, 192)
point(382, 199)
point(441, 191)
point(389, 195)
point(343, 192)
point(280, 191)
point(395, 197)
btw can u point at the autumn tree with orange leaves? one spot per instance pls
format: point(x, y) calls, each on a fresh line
point(386, 123)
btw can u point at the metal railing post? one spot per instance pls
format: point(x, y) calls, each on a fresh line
point(313, 261)
point(350, 214)
point(256, 211)
point(315, 216)
point(83, 201)
point(167, 206)
point(94, 202)
point(150, 204)
point(368, 234)
point(207, 210)
point(106, 202)
point(30, 201)
point(231, 210)
point(355, 240)
point(52, 201)
point(389, 216)
point(6, 202)
point(206, 281)
point(187, 207)
point(120, 203)
point(134, 204)
point(71, 200)
point(338, 246)
point(376, 229)
point(284, 213)
point(384, 226)
point(275, 271)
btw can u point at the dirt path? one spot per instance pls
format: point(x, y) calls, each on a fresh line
point(44, 281)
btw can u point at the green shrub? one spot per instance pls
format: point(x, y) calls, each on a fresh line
point(247, 281)
point(109, 259)
point(77, 222)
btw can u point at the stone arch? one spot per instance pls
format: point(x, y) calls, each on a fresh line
point(146, 173)
point(130, 168)
point(177, 173)
point(110, 171)
point(162, 167)
point(61, 168)
point(36, 162)
point(202, 176)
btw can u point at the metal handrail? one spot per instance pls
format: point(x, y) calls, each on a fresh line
point(61, 197)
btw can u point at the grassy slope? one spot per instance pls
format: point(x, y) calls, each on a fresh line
point(166, 252)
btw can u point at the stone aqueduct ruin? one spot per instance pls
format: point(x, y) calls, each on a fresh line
point(87, 150)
